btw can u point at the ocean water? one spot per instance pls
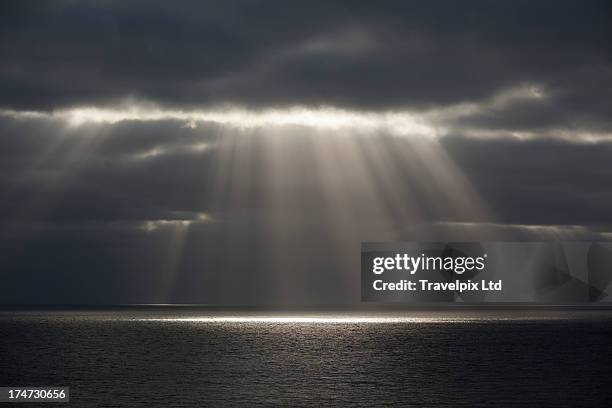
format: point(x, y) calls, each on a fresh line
point(193, 358)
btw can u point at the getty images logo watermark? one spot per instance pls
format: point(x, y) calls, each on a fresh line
point(412, 264)
point(425, 272)
point(544, 272)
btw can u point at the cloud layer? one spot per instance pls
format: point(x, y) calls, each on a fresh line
point(239, 152)
point(379, 55)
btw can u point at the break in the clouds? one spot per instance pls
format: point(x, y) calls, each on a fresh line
point(239, 152)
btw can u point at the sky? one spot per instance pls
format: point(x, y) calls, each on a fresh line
point(238, 152)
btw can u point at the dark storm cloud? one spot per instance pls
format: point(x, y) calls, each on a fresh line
point(578, 103)
point(539, 181)
point(353, 54)
point(130, 171)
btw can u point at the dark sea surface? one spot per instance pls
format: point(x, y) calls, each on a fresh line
point(190, 358)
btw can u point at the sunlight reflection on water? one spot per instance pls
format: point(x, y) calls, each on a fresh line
point(135, 358)
point(356, 319)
